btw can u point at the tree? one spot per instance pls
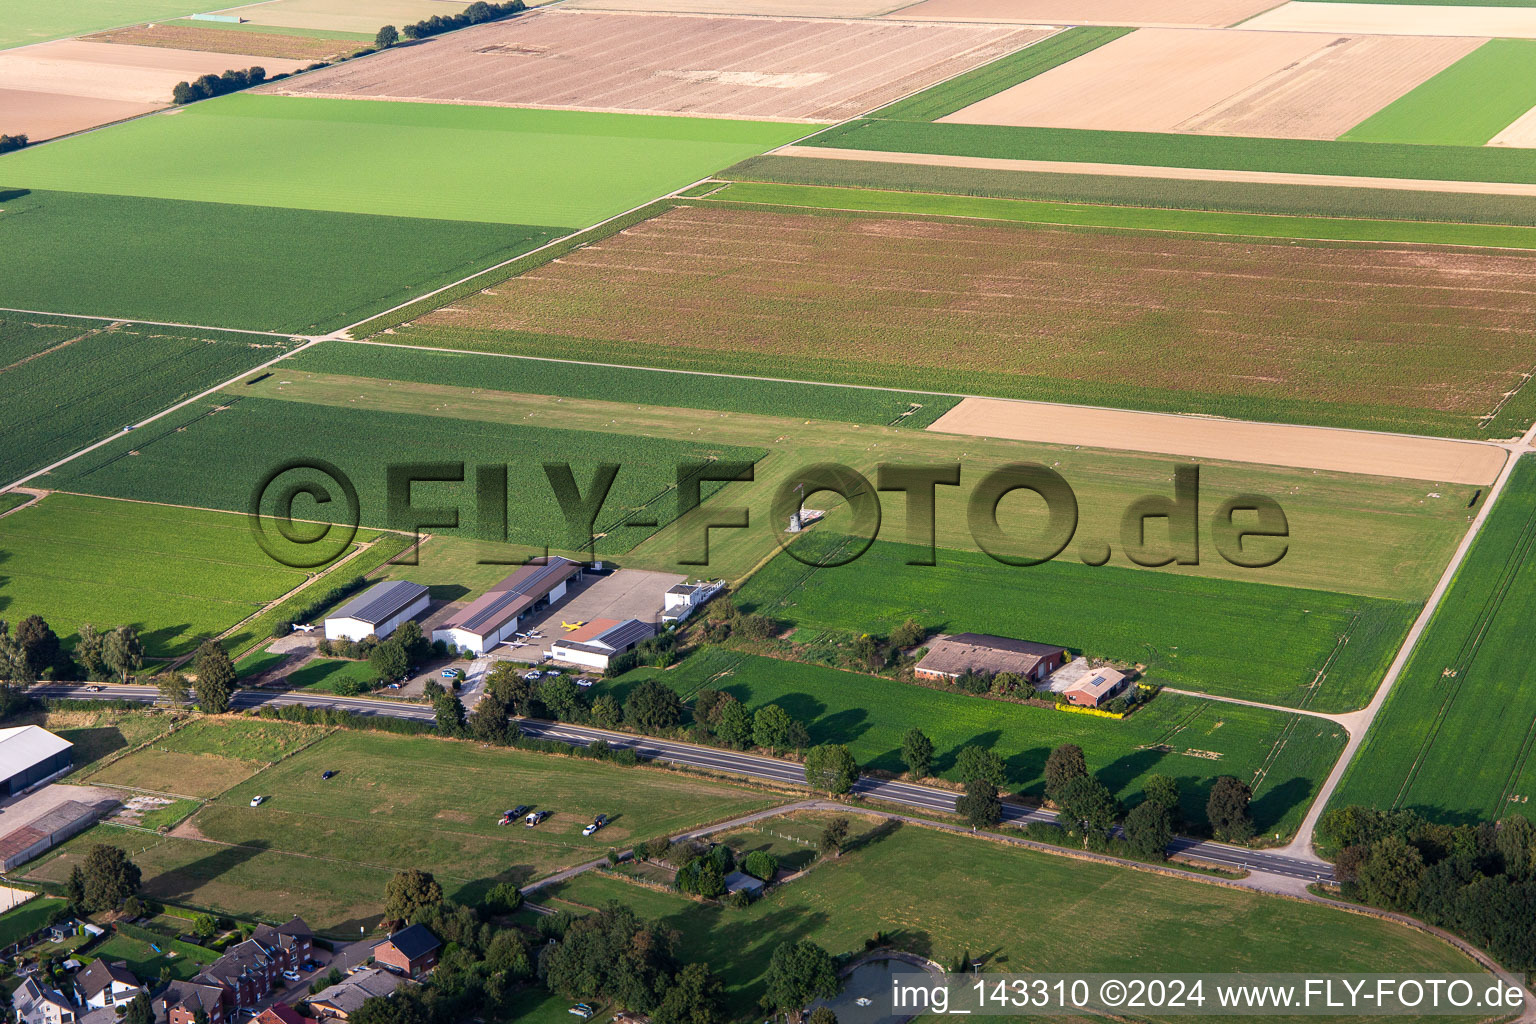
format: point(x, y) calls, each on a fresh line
point(1064, 764)
point(770, 727)
point(831, 768)
point(448, 711)
point(389, 660)
point(917, 753)
point(606, 713)
point(799, 973)
point(1087, 803)
point(409, 891)
point(560, 695)
point(652, 707)
point(1514, 840)
point(39, 645)
point(173, 688)
point(1149, 829)
point(507, 953)
point(735, 726)
point(204, 926)
point(1164, 790)
point(215, 677)
point(761, 864)
point(90, 648)
point(834, 837)
point(798, 736)
point(74, 888)
point(908, 634)
point(140, 1010)
point(980, 763)
point(488, 722)
point(1227, 810)
point(612, 955)
point(386, 37)
point(124, 652)
point(868, 650)
point(694, 997)
point(1391, 873)
point(109, 877)
point(980, 805)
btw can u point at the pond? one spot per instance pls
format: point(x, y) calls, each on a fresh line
point(872, 982)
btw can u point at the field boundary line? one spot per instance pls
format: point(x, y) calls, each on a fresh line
point(161, 414)
point(1301, 844)
point(1327, 716)
point(159, 323)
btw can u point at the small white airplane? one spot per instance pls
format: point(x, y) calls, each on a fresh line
point(307, 627)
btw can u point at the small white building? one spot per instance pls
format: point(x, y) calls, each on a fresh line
point(680, 600)
point(497, 614)
point(598, 642)
point(377, 611)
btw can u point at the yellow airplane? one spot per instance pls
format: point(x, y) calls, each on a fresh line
point(571, 627)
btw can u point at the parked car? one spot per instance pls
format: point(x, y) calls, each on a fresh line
point(257, 801)
point(597, 823)
point(536, 817)
point(581, 1010)
point(329, 773)
point(533, 676)
point(290, 975)
point(519, 810)
point(93, 688)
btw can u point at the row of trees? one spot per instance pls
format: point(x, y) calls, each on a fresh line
point(33, 651)
point(1476, 879)
point(10, 142)
point(208, 86)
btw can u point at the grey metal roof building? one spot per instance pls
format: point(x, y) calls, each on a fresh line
point(600, 641)
point(377, 611)
point(494, 615)
point(28, 755)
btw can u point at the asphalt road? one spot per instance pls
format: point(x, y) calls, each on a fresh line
point(928, 798)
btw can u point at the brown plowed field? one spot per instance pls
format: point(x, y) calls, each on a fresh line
point(789, 8)
point(44, 115)
point(1152, 80)
point(802, 69)
point(220, 40)
point(1326, 95)
point(1399, 19)
point(1405, 326)
point(1167, 13)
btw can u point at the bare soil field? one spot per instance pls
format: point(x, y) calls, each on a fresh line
point(1521, 133)
point(1152, 80)
point(1406, 326)
point(45, 115)
point(1399, 19)
point(1275, 444)
point(776, 8)
point(801, 69)
point(1164, 13)
point(1327, 93)
point(344, 15)
point(218, 40)
point(70, 85)
point(1486, 188)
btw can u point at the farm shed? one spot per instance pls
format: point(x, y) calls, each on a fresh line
point(377, 611)
point(951, 657)
point(496, 615)
point(600, 641)
point(28, 755)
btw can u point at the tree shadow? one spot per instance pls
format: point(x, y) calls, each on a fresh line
point(986, 740)
point(7, 194)
point(1119, 773)
point(1276, 801)
point(182, 883)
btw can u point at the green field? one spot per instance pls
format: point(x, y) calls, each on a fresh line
point(324, 674)
point(1152, 193)
point(1004, 73)
point(274, 30)
point(324, 849)
point(1284, 757)
point(66, 384)
point(252, 435)
point(425, 160)
point(535, 376)
point(252, 267)
point(1465, 105)
point(1131, 217)
point(183, 959)
point(1454, 740)
point(13, 499)
point(1299, 156)
point(940, 895)
point(25, 21)
point(1281, 645)
point(175, 574)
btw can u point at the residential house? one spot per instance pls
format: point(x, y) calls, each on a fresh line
point(282, 1013)
point(36, 1003)
point(341, 1000)
point(410, 951)
point(181, 1001)
point(254, 968)
point(104, 984)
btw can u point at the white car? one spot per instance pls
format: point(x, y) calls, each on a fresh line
point(291, 975)
point(308, 627)
point(257, 801)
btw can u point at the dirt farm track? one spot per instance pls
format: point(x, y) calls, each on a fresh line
point(802, 69)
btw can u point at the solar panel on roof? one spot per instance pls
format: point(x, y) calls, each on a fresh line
point(382, 601)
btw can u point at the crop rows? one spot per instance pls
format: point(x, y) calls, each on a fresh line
point(247, 438)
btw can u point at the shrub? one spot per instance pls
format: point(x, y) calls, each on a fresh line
point(10, 142)
point(761, 864)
